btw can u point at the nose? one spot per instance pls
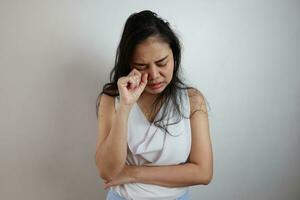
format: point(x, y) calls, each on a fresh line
point(153, 72)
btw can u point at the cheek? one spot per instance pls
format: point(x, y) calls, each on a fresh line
point(171, 68)
point(168, 72)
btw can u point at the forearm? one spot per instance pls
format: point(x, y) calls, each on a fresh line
point(171, 176)
point(111, 154)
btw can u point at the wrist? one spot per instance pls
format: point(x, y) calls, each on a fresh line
point(133, 173)
point(124, 107)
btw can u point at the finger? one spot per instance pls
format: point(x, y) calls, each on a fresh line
point(144, 79)
point(137, 80)
point(138, 73)
point(133, 77)
point(126, 81)
point(107, 186)
point(135, 72)
point(123, 81)
point(136, 77)
point(143, 82)
point(132, 82)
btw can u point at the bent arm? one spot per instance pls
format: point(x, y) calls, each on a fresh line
point(199, 168)
point(171, 176)
point(111, 149)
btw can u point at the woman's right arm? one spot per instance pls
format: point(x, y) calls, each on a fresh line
point(111, 148)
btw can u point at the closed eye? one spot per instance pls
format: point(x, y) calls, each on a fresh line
point(140, 67)
point(162, 64)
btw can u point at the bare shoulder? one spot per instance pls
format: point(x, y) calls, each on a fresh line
point(201, 148)
point(106, 113)
point(197, 101)
point(106, 105)
point(193, 92)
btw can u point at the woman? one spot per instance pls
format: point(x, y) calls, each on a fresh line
point(154, 137)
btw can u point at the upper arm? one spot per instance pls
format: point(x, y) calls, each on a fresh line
point(201, 150)
point(106, 113)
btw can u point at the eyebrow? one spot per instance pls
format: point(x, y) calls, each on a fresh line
point(160, 60)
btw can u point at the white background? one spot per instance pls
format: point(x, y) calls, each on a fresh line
point(55, 57)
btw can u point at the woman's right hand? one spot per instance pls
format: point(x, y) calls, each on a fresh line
point(131, 87)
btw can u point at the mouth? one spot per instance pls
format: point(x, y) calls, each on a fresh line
point(156, 85)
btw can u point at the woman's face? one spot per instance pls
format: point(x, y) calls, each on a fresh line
point(154, 57)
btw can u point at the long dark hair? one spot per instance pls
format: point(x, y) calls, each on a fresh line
point(138, 27)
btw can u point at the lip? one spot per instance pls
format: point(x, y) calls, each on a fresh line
point(155, 86)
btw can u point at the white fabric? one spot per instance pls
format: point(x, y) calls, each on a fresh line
point(151, 146)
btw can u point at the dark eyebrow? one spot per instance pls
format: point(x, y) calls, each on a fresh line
point(160, 60)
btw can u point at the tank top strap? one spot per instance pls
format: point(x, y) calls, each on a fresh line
point(186, 103)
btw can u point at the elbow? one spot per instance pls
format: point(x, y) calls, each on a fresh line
point(207, 179)
point(109, 174)
point(108, 170)
point(106, 175)
point(102, 174)
point(205, 176)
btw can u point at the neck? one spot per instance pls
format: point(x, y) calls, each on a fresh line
point(148, 98)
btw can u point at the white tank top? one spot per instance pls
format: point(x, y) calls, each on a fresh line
point(151, 146)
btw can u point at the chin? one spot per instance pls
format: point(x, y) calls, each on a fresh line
point(154, 91)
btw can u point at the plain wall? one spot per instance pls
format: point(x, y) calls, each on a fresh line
point(55, 57)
